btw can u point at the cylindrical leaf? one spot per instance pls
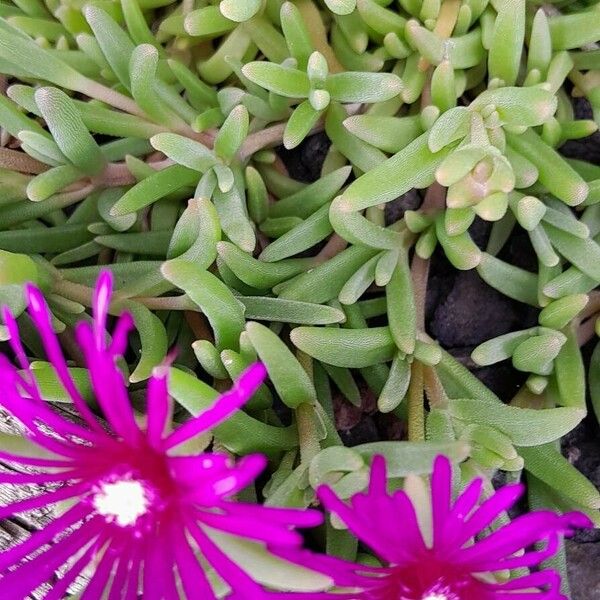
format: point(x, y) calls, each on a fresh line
point(288, 376)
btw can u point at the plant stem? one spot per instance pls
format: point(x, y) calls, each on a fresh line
point(587, 330)
point(444, 26)
point(592, 307)
point(318, 34)
point(332, 248)
point(308, 438)
point(96, 90)
point(168, 303)
point(73, 291)
point(435, 200)
point(118, 174)
point(420, 274)
point(416, 409)
point(433, 388)
point(19, 161)
point(306, 419)
point(14, 214)
point(273, 136)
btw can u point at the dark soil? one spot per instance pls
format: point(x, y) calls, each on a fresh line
point(463, 311)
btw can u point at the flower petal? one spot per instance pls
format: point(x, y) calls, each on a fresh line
point(131, 593)
point(59, 589)
point(40, 314)
point(28, 576)
point(109, 386)
point(270, 534)
point(97, 585)
point(38, 539)
point(243, 474)
point(548, 579)
point(378, 476)
point(228, 570)
point(38, 478)
point(441, 487)
point(243, 389)
point(193, 578)
point(487, 513)
point(342, 572)
point(120, 334)
point(462, 507)
point(520, 533)
point(284, 516)
point(33, 461)
point(117, 585)
point(158, 407)
point(100, 304)
point(44, 499)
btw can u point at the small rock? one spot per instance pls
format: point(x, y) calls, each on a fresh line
point(586, 148)
point(395, 209)
point(473, 312)
point(582, 566)
point(502, 378)
point(364, 432)
point(304, 162)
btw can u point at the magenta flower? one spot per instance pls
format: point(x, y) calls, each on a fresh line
point(455, 561)
point(139, 515)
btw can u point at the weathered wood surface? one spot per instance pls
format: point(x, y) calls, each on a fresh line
point(18, 528)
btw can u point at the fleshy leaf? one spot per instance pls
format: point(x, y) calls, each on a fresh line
point(285, 81)
point(239, 11)
point(524, 426)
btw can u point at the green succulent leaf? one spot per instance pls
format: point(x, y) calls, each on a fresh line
point(153, 188)
point(69, 131)
point(153, 340)
point(519, 106)
point(389, 134)
point(287, 374)
point(310, 198)
point(363, 87)
point(352, 348)
point(507, 41)
point(451, 126)
point(396, 386)
point(536, 353)
point(232, 133)
point(208, 22)
point(303, 236)
point(401, 308)
point(548, 465)
point(341, 7)
point(417, 458)
point(240, 433)
point(583, 253)
point(512, 281)
point(224, 312)
point(554, 172)
point(262, 308)
point(284, 81)
point(500, 348)
point(524, 426)
point(115, 44)
point(300, 124)
point(296, 34)
point(19, 54)
point(184, 151)
point(239, 11)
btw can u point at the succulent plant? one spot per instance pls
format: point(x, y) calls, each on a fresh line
point(143, 137)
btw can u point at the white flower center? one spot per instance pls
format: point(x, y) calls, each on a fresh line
point(123, 501)
point(440, 592)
